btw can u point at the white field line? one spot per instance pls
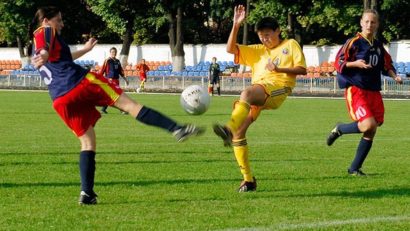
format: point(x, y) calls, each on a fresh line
point(324, 224)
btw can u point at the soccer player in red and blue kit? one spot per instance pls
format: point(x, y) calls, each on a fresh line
point(76, 92)
point(359, 64)
point(112, 70)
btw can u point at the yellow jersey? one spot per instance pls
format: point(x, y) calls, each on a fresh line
point(287, 54)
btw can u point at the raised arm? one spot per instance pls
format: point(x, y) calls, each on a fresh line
point(88, 46)
point(238, 18)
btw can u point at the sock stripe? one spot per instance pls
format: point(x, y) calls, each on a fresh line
point(241, 142)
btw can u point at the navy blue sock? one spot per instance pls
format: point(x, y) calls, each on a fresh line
point(87, 171)
point(154, 118)
point(361, 154)
point(348, 128)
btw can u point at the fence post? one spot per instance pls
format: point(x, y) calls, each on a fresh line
point(384, 86)
point(311, 85)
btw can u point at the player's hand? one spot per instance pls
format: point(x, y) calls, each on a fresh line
point(360, 63)
point(271, 66)
point(89, 45)
point(239, 15)
point(39, 59)
point(398, 79)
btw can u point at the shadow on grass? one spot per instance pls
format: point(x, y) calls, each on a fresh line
point(369, 194)
point(203, 161)
point(122, 183)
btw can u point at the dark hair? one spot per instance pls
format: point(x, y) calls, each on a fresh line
point(47, 12)
point(113, 48)
point(267, 23)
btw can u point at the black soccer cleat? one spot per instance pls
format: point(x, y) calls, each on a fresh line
point(187, 131)
point(87, 199)
point(356, 172)
point(334, 134)
point(224, 133)
point(247, 186)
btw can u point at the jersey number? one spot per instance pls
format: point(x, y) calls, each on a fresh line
point(373, 60)
point(45, 73)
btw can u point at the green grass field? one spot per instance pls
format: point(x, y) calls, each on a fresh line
point(147, 181)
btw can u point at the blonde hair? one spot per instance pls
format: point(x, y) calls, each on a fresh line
point(371, 11)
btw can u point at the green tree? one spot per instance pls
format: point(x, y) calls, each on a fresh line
point(122, 17)
point(15, 16)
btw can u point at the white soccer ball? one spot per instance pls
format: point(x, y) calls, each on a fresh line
point(195, 100)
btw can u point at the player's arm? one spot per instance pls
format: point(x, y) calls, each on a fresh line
point(292, 70)
point(388, 67)
point(123, 76)
point(103, 68)
point(43, 39)
point(238, 18)
point(88, 46)
point(40, 58)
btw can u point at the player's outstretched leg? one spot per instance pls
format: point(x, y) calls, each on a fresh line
point(225, 134)
point(152, 117)
point(341, 129)
point(334, 134)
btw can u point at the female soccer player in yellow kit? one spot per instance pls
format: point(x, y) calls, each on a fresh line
point(275, 64)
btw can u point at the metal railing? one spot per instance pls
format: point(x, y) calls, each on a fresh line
point(308, 86)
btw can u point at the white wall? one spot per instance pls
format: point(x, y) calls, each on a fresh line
point(400, 52)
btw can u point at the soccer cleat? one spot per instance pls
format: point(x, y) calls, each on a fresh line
point(187, 131)
point(224, 133)
point(104, 111)
point(247, 186)
point(356, 172)
point(87, 199)
point(334, 134)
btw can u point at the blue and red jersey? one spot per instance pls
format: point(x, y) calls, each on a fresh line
point(374, 54)
point(112, 68)
point(60, 73)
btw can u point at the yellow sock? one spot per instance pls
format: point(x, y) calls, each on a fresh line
point(142, 85)
point(239, 114)
point(240, 148)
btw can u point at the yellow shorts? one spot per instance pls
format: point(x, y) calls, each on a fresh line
point(275, 96)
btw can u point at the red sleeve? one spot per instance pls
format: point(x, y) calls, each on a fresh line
point(44, 38)
point(121, 70)
point(103, 68)
point(388, 63)
point(345, 54)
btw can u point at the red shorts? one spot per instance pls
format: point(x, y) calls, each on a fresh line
point(363, 104)
point(143, 77)
point(77, 107)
